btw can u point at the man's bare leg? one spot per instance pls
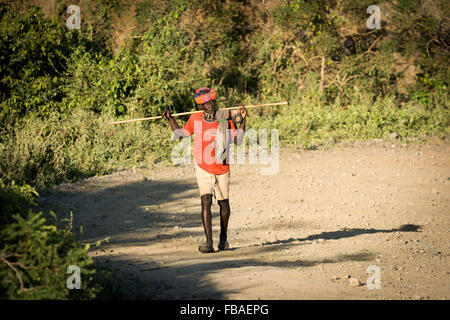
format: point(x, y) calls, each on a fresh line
point(207, 225)
point(224, 217)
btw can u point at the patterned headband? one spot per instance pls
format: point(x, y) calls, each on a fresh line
point(206, 97)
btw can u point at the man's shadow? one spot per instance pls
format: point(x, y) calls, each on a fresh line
point(346, 233)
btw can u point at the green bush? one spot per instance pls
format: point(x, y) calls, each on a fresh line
point(14, 199)
point(35, 254)
point(33, 55)
point(78, 144)
point(306, 125)
point(61, 98)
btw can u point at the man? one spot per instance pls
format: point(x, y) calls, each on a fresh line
point(212, 129)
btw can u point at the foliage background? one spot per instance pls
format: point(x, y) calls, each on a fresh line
point(132, 59)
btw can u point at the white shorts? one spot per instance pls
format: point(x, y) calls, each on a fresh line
point(215, 184)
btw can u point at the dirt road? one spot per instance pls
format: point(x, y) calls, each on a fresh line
point(308, 232)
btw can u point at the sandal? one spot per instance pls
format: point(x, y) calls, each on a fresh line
point(205, 248)
point(223, 246)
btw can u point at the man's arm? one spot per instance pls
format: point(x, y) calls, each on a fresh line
point(241, 131)
point(173, 124)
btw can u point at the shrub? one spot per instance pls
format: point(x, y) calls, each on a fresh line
point(35, 254)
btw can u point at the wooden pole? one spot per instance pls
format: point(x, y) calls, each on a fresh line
point(191, 112)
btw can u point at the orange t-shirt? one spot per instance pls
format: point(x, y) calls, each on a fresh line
point(204, 142)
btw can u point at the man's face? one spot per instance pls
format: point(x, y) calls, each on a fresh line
point(208, 107)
